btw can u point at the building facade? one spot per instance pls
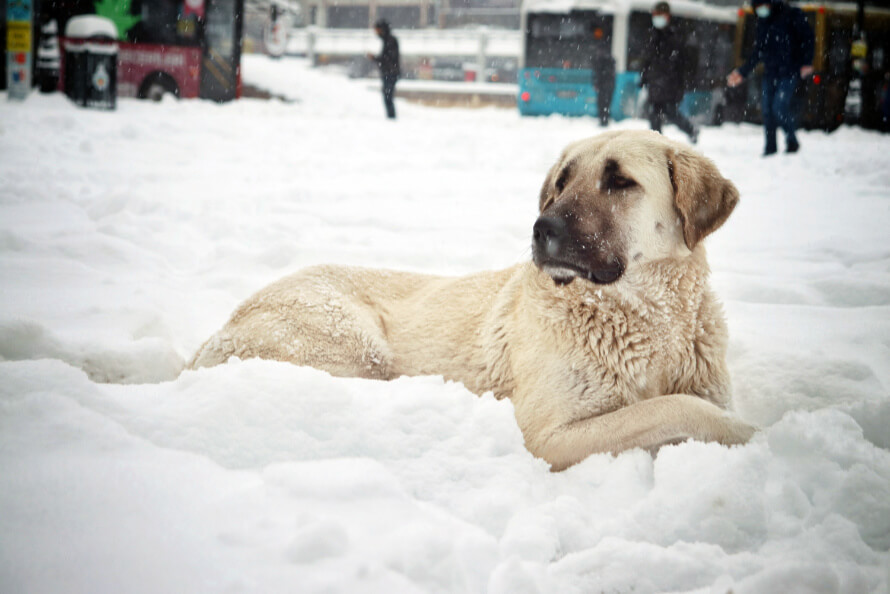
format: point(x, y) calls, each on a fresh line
point(411, 14)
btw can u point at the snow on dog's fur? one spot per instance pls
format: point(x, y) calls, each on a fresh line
point(609, 340)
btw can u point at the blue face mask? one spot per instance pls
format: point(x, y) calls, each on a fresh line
point(659, 21)
point(762, 11)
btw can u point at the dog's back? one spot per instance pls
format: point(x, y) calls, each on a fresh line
point(359, 322)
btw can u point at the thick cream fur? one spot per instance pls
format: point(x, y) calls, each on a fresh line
point(589, 368)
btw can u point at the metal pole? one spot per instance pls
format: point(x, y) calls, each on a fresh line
point(310, 44)
point(480, 56)
point(860, 18)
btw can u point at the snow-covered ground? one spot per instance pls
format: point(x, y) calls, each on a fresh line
point(127, 238)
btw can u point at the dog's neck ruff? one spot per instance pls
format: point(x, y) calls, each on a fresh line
point(643, 287)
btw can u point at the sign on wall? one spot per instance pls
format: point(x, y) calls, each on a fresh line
point(18, 48)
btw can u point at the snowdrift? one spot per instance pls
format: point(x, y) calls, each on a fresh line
point(127, 238)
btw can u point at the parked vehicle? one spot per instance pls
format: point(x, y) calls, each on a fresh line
point(555, 72)
point(186, 48)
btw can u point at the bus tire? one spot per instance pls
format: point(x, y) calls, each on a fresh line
point(156, 85)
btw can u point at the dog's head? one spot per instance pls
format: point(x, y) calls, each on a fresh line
point(623, 199)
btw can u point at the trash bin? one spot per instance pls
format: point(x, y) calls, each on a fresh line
point(91, 61)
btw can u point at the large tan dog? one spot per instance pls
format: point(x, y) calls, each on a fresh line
point(609, 340)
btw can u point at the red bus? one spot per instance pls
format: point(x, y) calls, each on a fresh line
point(187, 48)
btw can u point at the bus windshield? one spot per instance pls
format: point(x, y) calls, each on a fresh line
point(163, 22)
point(563, 41)
point(704, 69)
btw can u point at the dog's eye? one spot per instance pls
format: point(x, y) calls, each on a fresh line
point(613, 178)
point(619, 182)
point(562, 180)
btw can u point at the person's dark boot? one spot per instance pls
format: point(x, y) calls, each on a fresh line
point(793, 146)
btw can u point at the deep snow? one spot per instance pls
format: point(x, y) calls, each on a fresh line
point(127, 238)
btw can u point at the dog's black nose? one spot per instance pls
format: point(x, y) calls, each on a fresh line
point(549, 232)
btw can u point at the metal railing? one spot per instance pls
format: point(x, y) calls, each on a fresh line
point(479, 44)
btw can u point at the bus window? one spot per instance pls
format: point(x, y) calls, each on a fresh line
point(690, 32)
point(561, 41)
point(750, 34)
point(348, 17)
point(639, 25)
point(157, 22)
point(708, 69)
point(694, 33)
point(559, 27)
point(840, 39)
point(222, 34)
point(877, 31)
point(720, 59)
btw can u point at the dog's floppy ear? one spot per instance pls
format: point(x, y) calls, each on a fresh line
point(703, 197)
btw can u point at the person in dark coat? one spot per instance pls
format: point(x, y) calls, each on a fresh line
point(784, 44)
point(662, 73)
point(603, 65)
point(388, 63)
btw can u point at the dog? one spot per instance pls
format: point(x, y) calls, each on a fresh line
point(609, 339)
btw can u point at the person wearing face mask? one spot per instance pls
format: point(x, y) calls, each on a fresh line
point(784, 43)
point(662, 71)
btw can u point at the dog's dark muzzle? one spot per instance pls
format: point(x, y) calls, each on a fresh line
point(557, 251)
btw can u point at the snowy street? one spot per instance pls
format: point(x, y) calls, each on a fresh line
point(128, 237)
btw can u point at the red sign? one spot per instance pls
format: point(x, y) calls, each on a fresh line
point(194, 7)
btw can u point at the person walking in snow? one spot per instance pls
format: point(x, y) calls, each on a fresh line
point(603, 65)
point(388, 63)
point(784, 43)
point(662, 73)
